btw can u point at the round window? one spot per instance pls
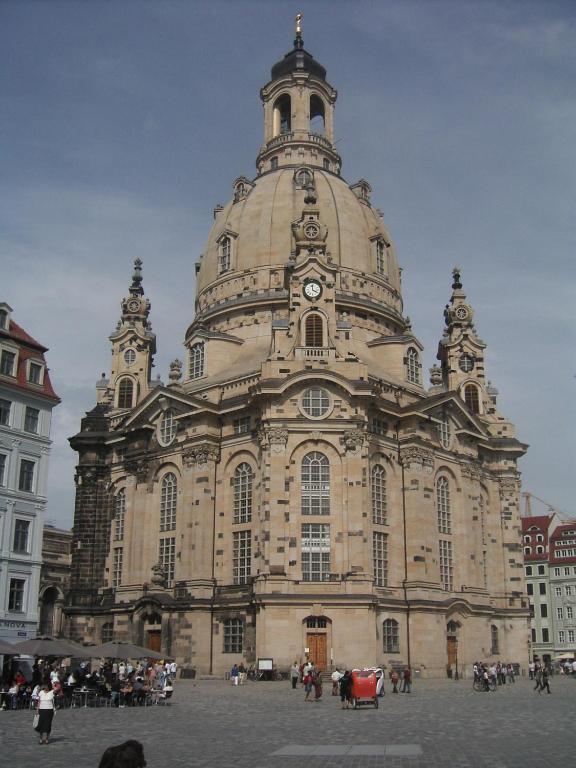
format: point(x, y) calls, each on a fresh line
point(316, 402)
point(129, 356)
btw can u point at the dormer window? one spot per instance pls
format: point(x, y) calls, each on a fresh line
point(35, 373)
point(7, 362)
point(303, 178)
point(412, 362)
point(224, 254)
point(3, 320)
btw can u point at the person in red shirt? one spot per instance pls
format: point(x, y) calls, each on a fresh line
point(406, 681)
point(394, 680)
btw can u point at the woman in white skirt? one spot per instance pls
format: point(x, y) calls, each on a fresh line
point(45, 712)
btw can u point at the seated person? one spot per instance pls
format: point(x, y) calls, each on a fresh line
point(126, 693)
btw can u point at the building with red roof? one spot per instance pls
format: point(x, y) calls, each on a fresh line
point(26, 402)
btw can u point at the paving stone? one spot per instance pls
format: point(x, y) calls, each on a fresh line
point(267, 725)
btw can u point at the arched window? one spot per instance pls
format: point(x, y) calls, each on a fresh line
point(443, 505)
point(412, 366)
point(317, 115)
point(119, 514)
point(282, 115)
point(315, 484)
point(494, 646)
point(390, 636)
point(527, 539)
point(243, 493)
point(107, 632)
point(197, 360)
point(471, 398)
point(168, 502)
point(167, 428)
point(125, 393)
point(379, 494)
point(314, 332)
point(303, 177)
point(539, 537)
point(444, 433)
point(527, 550)
point(539, 550)
point(224, 251)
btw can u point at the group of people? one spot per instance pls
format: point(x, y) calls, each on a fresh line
point(541, 674)
point(496, 674)
point(238, 674)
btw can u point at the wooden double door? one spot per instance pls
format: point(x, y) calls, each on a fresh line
point(317, 643)
point(154, 640)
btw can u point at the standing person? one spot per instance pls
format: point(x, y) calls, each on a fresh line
point(394, 680)
point(317, 683)
point(45, 710)
point(346, 689)
point(336, 675)
point(510, 673)
point(234, 674)
point(406, 681)
point(294, 674)
point(531, 670)
point(308, 683)
point(242, 674)
point(544, 680)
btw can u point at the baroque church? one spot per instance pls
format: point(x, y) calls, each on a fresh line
point(297, 490)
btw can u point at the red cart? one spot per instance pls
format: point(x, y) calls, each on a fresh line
point(364, 688)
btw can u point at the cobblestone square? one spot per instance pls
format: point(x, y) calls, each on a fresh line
point(267, 725)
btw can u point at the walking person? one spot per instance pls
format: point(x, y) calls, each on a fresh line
point(317, 683)
point(234, 674)
point(308, 683)
point(45, 711)
point(510, 673)
point(346, 689)
point(538, 678)
point(294, 674)
point(545, 680)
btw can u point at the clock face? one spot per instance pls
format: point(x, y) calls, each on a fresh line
point(461, 313)
point(133, 305)
point(312, 289)
point(466, 363)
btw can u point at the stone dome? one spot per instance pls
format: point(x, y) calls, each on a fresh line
point(261, 226)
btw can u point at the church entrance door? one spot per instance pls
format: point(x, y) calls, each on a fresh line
point(317, 649)
point(154, 640)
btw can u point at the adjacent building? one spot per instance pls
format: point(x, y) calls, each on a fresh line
point(26, 402)
point(550, 567)
point(296, 489)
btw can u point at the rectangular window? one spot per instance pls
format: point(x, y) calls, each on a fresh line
point(233, 635)
point(542, 587)
point(545, 635)
point(242, 425)
point(566, 571)
point(315, 552)
point(446, 569)
point(16, 595)
point(378, 426)
point(530, 589)
point(31, 419)
point(3, 462)
point(117, 566)
point(35, 373)
point(528, 570)
point(167, 558)
point(570, 635)
point(21, 532)
point(559, 613)
point(533, 632)
point(568, 590)
point(561, 636)
point(558, 591)
point(380, 558)
point(242, 557)
point(556, 571)
point(569, 612)
point(541, 570)
point(5, 406)
point(544, 610)
point(7, 360)
point(26, 477)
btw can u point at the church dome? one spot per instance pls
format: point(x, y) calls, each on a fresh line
point(260, 225)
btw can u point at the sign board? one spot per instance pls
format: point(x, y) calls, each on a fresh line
point(265, 665)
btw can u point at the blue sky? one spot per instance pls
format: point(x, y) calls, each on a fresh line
point(124, 123)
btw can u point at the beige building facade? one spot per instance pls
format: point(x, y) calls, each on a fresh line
point(296, 490)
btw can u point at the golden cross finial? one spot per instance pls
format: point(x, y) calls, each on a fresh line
point(298, 24)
